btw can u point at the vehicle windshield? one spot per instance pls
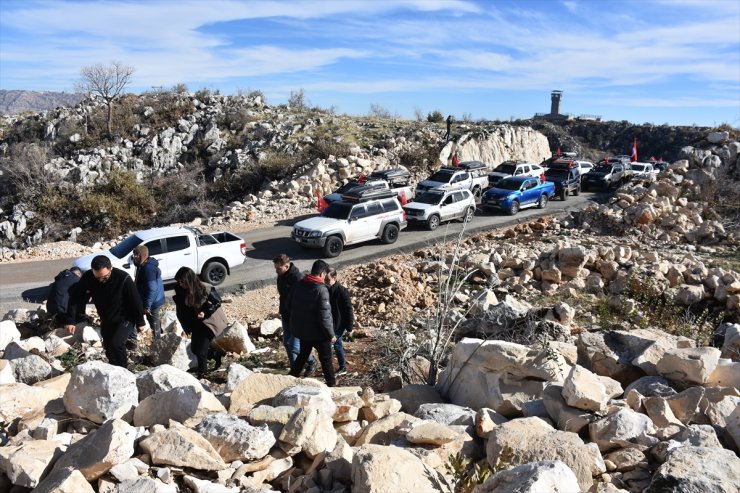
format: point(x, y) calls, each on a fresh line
point(603, 168)
point(431, 198)
point(639, 167)
point(441, 177)
point(337, 210)
point(556, 173)
point(507, 169)
point(507, 184)
point(122, 249)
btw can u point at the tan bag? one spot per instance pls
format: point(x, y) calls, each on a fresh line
point(216, 322)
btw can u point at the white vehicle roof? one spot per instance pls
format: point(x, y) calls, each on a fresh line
point(147, 234)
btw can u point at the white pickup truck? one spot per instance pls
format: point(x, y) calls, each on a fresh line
point(211, 255)
point(469, 175)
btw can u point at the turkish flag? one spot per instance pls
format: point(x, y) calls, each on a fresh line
point(402, 197)
point(633, 157)
point(321, 204)
point(558, 151)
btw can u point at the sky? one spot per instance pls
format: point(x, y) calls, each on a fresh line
point(656, 61)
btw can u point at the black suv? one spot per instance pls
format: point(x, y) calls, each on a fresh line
point(566, 176)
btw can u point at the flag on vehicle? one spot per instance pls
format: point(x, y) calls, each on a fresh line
point(402, 197)
point(652, 159)
point(558, 151)
point(455, 160)
point(362, 178)
point(606, 159)
point(633, 157)
point(321, 204)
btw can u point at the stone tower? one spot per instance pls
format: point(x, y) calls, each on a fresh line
point(555, 97)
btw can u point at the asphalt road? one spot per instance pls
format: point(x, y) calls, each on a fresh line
point(24, 284)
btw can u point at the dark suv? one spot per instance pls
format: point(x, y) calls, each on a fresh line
point(566, 176)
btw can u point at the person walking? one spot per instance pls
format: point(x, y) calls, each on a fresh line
point(311, 321)
point(449, 127)
point(198, 308)
point(59, 293)
point(148, 280)
point(118, 303)
point(342, 315)
point(288, 275)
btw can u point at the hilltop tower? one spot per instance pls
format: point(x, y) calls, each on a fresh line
point(555, 97)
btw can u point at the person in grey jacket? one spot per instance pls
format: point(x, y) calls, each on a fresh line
point(311, 321)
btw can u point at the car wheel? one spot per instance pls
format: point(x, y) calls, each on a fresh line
point(577, 191)
point(469, 214)
point(514, 208)
point(542, 203)
point(214, 273)
point(433, 222)
point(564, 194)
point(333, 246)
point(390, 234)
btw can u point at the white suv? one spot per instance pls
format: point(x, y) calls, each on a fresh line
point(513, 168)
point(434, 206)
point(363, 214)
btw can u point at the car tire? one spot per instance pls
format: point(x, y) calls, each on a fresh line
point(542, 203)
point(214, 273)
point(514, 208)
point(564, 194)
point(333, 246)
point(433, 222)
point(577, 191)
point(390, 234)
point(469, 214)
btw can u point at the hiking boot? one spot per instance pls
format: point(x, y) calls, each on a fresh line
point(341, 371)
point(310, 370)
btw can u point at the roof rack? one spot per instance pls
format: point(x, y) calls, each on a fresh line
point(470, 165)
point(368, 192)
point(563, 163)
point(393, 175)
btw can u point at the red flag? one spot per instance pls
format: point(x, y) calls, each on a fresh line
point(402, 197)
point(321, 204)
point(362, 178)
point(606, 159)
point(633, 157)
point(558, 151)
point(652, 159)
point(455, 160)
point(661, 159)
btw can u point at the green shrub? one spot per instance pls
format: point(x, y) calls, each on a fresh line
point(419, 157)
point(435, 116)
point(323, 148)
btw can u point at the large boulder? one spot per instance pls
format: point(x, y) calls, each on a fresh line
point(98, 391)
point(414, 395)
point(306, 396)
point(186, 405)
point(163, 378)
point(182, 447)
point(689, 365)
point(100, 450)
point(18, 400)
point(624, 428)
point(552, 476)
point(66, 480)
point(174, 350)
point(234, 339)
point(698, 469)
point(309, 431)
point(531, 439)
point(585, 390)
point(379, 469)
point(8, 333)
point(261, 388)
point(497, 374)
point(234, 438)
point(26, 463)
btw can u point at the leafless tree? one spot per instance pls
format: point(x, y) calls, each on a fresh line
point(106, 81)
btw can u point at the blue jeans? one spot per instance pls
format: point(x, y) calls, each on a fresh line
point(339, 349)
point(293, 347)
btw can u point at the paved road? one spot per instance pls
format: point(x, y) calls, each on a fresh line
point(24, 284)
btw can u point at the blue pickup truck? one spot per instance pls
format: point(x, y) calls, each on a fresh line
point(515, 193)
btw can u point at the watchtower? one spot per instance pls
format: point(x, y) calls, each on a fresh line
point(555, 97)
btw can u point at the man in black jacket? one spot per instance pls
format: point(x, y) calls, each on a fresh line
point(342, 314)
point(117, 301)
point(311, 322)
point(287, 277)
point(58, 300)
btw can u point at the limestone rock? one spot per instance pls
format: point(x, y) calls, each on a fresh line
point(690, 365)
point(18, 400)
point(306, 396)
point(65, 480)
point(174, 350)
point(25, 464)
point(98, 391)
point(235, 439)
point(186, 405)
point(431, 433)
point(261, 388)
point(235, 339)
point(270, 326)
point(624, 428)
point(414, 395)
point(182, 447)
point(378, 469)
point(8, 333)
point(163, 378)
point(311, 431)
point(100, 450)
point(552, 476)
point(585, 390)
point(236, 374)
point(698, 469)
point(384, 430)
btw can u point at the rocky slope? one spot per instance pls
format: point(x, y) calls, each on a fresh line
point(13, 102)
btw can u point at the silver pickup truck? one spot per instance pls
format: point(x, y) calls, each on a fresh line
point(468, 175)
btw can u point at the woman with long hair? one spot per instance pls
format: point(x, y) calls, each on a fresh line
point(196, 302)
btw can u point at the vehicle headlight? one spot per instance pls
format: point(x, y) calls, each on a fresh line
point(314, 234)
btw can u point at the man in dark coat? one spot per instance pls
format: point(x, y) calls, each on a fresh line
point(449, 127)
point(118, 304)
point(342, 315)
point(149, 284)
point(287, 277)
point(58, 300)
point(311, 322)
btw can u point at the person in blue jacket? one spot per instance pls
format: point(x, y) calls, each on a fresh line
point(149, 283)
point(58, 300)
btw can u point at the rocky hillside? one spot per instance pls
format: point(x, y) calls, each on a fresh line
point(14, 102)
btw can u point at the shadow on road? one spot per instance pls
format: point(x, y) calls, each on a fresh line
point(36, 295)
point(268, 249)
point(290, 221)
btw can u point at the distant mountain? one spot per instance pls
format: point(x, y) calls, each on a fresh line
point(14, 102)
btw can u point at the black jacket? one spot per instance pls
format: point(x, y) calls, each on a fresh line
point(188, 316)
point(116, 300)
point(58, 299)
point(341, 308)
point(310, 311)
point(285, 285)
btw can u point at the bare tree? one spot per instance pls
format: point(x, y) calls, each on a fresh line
point(106, 81)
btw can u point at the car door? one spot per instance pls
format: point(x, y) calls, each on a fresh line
point(375, 216)
point(461, 204)
point(529, 194)
point(358, 224)
point(447, 207)
point(179, 252)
